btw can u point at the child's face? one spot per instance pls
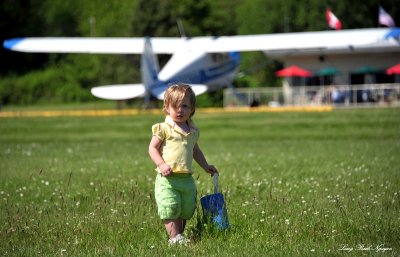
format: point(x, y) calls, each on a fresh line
point(181, 112)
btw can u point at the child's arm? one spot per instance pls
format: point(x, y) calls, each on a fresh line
point(201, 160)
point(154, 153)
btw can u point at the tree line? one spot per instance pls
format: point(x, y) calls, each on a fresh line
point(53, 78)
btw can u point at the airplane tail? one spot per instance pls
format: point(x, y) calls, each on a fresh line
point(151, 87)
point(149, 68)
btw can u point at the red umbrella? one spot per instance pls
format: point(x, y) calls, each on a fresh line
point(393, 70)
point(293, 71)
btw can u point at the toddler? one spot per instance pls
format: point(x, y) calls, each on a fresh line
point(172, 148)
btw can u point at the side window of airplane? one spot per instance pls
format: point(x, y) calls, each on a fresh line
point(219, 57)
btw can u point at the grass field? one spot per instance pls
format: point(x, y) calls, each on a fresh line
point(296, 184)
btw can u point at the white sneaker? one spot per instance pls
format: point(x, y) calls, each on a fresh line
point(179, 239)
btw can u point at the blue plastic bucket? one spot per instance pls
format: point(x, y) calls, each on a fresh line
point(214, 210)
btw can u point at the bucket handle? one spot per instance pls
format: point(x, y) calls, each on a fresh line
point(215, 183)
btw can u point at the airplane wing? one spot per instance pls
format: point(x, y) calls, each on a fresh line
point(91, 45)
point(119, 92)
point(318, 41)
point(350, 40)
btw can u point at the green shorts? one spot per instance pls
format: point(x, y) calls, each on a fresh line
point(175, 196)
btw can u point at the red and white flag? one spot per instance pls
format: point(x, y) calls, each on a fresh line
point(333, 21)
point(385, 19)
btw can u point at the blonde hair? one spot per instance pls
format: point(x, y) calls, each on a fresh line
point(175, 94)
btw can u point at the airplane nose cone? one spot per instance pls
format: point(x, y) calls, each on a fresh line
point(235, 56)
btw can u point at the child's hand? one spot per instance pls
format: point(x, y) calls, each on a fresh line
point(165, 169)
point(211, 170)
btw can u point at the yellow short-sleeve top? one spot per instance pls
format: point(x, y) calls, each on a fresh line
point(177, 146)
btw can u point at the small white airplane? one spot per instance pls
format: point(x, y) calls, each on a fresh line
point(206, 63)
